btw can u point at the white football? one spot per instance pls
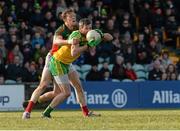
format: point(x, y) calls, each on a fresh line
point(93, 35)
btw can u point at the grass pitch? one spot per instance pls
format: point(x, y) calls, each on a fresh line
point(110, 120)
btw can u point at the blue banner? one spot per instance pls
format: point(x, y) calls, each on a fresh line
point(127, 95)
point(159, 94)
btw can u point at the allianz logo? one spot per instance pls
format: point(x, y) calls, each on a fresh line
point(118, 98)
point(165, 97)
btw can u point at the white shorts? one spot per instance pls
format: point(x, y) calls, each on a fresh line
point(64, 79)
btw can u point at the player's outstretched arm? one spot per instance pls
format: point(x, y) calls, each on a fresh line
point(107, 37)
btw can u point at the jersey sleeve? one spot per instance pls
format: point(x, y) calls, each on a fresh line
point(59, 31)
point(54, 48)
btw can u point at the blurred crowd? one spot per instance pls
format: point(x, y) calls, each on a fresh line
point(145, 45)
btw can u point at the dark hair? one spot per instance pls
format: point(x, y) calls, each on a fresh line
point(84, 21)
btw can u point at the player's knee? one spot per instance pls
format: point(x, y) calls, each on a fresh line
point(55, 93)
point(67, 94)
point(42, 85)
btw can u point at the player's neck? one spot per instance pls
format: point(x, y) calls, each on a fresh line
point(70, 27)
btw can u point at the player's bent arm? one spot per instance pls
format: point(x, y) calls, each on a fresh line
point(58, 40)
point(76, 49)
point(107, 37)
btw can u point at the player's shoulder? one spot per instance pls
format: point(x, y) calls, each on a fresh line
point(60, 29)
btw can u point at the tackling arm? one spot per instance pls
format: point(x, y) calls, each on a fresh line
point(58, 40)
point(76, 49)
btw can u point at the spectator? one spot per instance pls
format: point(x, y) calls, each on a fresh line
point(48, 6)
point(110, 26)
point(171, 69)
point(129, 72)
point(164, 76)
point(85, 10)
point(165, 59)
point(156, 73)
point(33, 73)
point(38, 39)
point(27, 51)
point(3, 32)
point(145, 15)
point(104, 69)
point(152, 50)
point(13, 41)
point(126, 41)
point(14, 70)
point(130, 55)
point(25, 72)
point(2, 80)
point(118, 71)
point(107, 76)
point(61, 6)
point(173, 76)
point(97, 24)
point(24, 12)
point(47, 19)
point(141, 50)
point(94, 74)
point(157, 37)
point(40, 66)
point(105, 50)
point(158, 20)
point(147, 34)
point(24, 30)
point(37, 16)
point(126, 28)
point(3, 51)
point(91, 57)
point(178, 66)
point(2, 69)
point(75, 6)
point(171, 27)
point(117, 45)
point(15, 52)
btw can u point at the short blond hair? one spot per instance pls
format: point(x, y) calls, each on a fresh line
point(84, 21)
point(66, 13)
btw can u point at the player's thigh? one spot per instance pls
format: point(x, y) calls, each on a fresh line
point(46, 75)
point(73, 75)
point(56, 89)
point(75, 80)
point(63, 83)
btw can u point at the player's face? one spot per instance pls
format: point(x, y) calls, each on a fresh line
point(84, 30)
point(71, 19)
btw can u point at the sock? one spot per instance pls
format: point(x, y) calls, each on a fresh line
point(30, 106)
point(85, 110)
point(47, 111)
